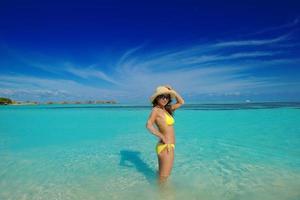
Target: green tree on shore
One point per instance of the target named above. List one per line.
(5, 101)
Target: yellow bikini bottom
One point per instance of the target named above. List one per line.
(162, 146)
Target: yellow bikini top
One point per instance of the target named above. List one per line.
(169, 119)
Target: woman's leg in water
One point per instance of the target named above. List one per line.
(165, 163)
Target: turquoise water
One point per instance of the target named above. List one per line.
(89, 152)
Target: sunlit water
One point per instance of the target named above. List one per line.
(89, 152)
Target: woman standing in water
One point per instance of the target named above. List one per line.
(162, 117)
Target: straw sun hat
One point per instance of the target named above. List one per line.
(162, 90)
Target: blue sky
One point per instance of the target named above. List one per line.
(217, 51)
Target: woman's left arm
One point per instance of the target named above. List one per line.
(179, 99)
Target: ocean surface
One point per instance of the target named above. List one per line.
(98, 152)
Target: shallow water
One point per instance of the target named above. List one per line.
(236, 151)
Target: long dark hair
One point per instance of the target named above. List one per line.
(167, 106)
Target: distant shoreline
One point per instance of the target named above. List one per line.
(191, 107)
(64, 103)
(15, 103)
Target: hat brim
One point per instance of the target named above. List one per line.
(172, 95)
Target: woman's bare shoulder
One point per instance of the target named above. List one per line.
(157, 111)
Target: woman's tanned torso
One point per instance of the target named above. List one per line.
(166, 130)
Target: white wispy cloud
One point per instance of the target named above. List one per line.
(89, 73)
(253, 42)
(23, 85)
(285, 26)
